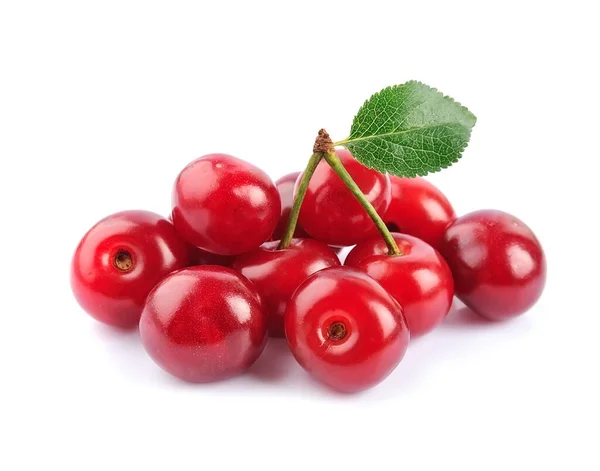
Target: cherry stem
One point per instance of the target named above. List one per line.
(284, 243)
(336, 164)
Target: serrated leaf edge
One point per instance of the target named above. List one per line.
(349, 141)
(392, 87)
(418, 174)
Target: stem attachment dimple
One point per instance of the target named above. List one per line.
(336, 164)
(284, 243)
(123, 261)
(337, 331)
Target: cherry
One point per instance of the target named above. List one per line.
(419, 279)
(285, 187)
(119, 261)
(418, 208)
(498, 264)
(331, 214)
(202, 257)
(224, 205)
(345, 329)
(204, 323)
(277, 273)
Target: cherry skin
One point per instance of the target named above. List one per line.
(498, 264)
(331, 214)
(120, 260)
(345, 329)
(419, 279)
(420, 209)
(285, 187)
(277, 273)
(204, 324)
(202, 257)
(225, 205)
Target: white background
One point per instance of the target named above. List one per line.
(101, 105)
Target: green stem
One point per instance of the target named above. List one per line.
(335, 163)
(284, 243)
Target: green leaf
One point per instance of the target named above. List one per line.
(409, 130)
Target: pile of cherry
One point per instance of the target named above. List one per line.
(209, 285)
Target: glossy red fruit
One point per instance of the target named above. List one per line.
(120, 260)
(204, 324)
(202, 257)
(418, 208)
(497, 262)
(331, 214)
(285, 187)
(345, 329)
(277, 273)
(225, 205)
(419, 279)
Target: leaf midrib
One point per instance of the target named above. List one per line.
(395, 133)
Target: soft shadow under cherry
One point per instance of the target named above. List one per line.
(464, 316)
(275, 363)
(125, 351)
(109, 333)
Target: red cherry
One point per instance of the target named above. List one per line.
(418, 208)
(204, 323)
(498, 264)
(277, 273)
(202, 257)
(345, 329)
(285, 187)
(224, 205)
(120, 260)
(330, 212)
(419, 280)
